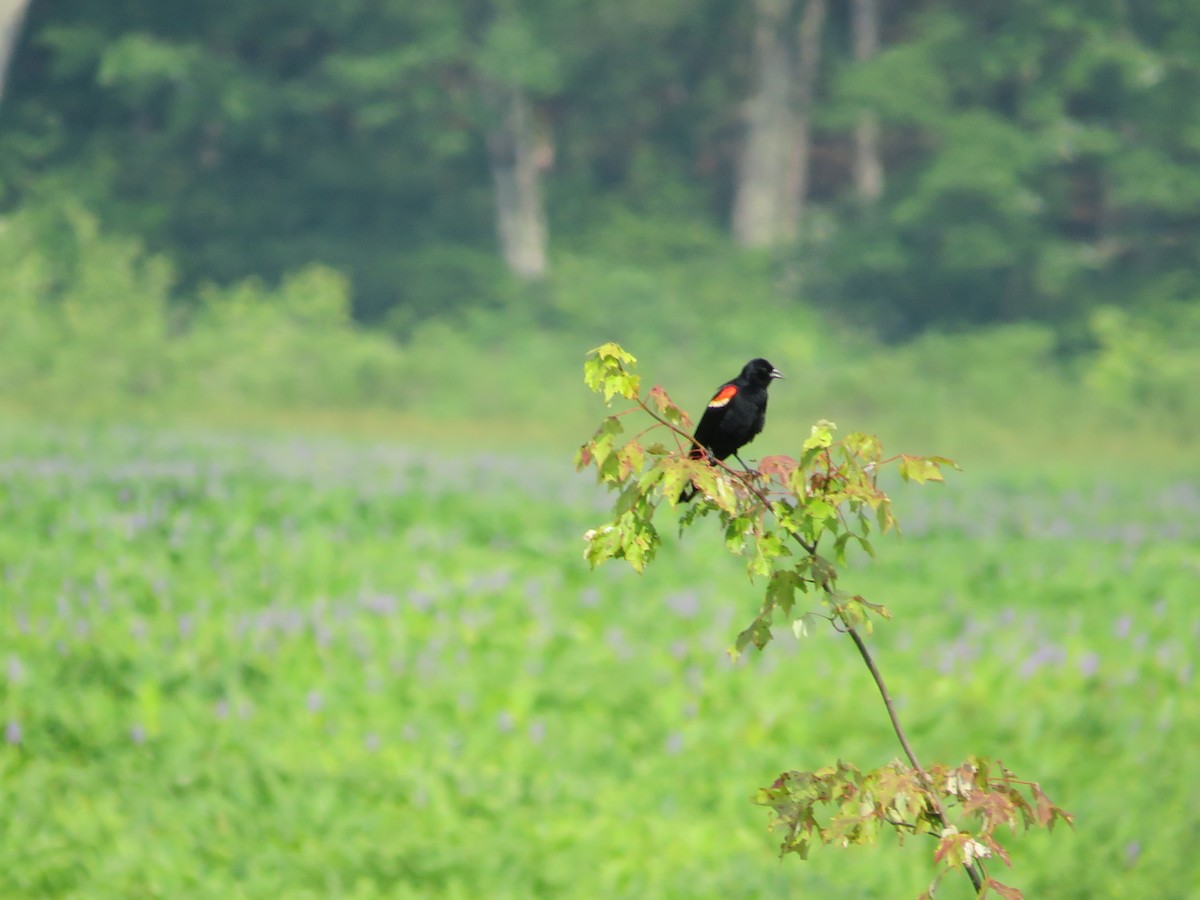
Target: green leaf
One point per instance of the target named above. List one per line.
(715, 484)
(609, 428)
(601, 448)
(885, 517)
(919, 469)
(610, 469)
(650, 477)
(625, 385)
(839, 547)
(757, 633)
(864, 446)
(676, 475)
(945, 461)
(602, 544)
(771, 546)
(735, 533)
(628, 498)
(604, 372)
(798, 481)
(803, 623)
(817, 443)
(823, 573)
(781, 590)
(613, 352)
(821, 437)
(633, 459)
(823, 516)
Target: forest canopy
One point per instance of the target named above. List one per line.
(963, 162)
(899, 169)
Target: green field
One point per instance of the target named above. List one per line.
(264, 666)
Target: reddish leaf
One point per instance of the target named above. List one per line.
(996, 848)
(780, 465)
(1045, 809)
(993, 808)
(1008, 893)
(658, 396)
(950, 849)
(668, 409)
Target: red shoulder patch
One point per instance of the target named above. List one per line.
(724, 395)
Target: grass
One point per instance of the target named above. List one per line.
(268, 666)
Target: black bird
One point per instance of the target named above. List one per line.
(734, 416)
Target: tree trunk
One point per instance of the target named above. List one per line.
(868, 161)
(770, 125)
(12, 15)
(516, 179)
(773, 169)
(808, 58)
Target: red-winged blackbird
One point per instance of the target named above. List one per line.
(734, 416)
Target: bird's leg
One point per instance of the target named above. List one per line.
(749, 470)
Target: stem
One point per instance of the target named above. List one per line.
(973, 871)
(718, 463)
(891, 710)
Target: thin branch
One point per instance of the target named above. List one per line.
(973, 870)
(744, 477)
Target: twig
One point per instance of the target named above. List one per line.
(972, 868)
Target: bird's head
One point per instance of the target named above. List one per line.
(760, 372)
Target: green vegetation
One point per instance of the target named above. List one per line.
(242, 657)
(289, 214)
(1037, 160)
(318, 668)
(94, 329)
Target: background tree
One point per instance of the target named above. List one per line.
(507, 58)
(1039, 158)
(868, 160)
(773, 167)
(1016, 126)
(12, 16)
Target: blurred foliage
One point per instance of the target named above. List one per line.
(254, 142)
(87, 325)
(1040, 158)
(1149, 361)
(308, 668)
(93, 325)
(1041, 162)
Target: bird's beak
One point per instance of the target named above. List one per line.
(775, 373)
